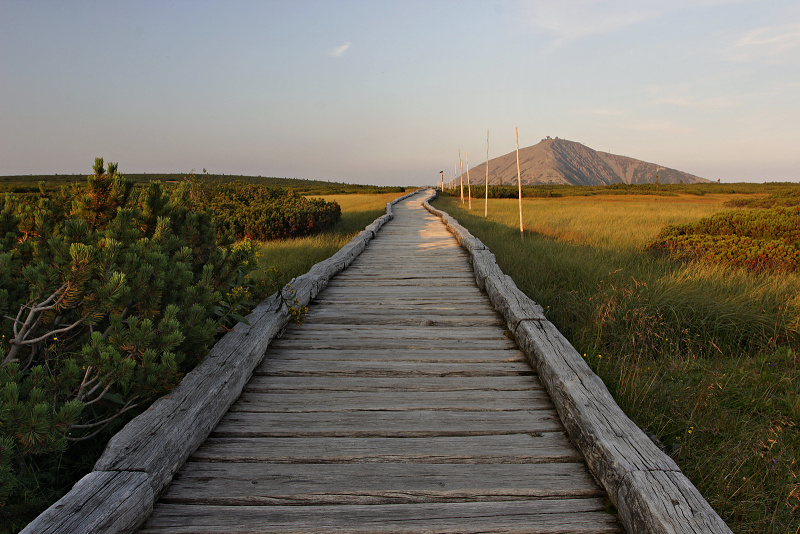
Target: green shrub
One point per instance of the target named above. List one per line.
(756, 239)
(263, 213)
(109, 294)
(785, 198)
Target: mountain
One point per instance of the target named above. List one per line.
(558, 161)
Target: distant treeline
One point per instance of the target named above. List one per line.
(30, 183)
(545, 191)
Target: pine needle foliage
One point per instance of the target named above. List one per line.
(108, 295)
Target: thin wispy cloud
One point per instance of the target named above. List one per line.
(601, 112)
(657, 126)
(771, 43)
(339, 50)
(572, 20)
(693, 102)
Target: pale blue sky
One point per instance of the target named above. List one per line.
(387, 92)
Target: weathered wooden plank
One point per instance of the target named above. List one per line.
(533, 399)
(360, 332)
(415, 274)
(401, 318)
(375, 344)
(266, 484)
(408, 309)
(536, 447)
(364, 368)
(419, 355)
(417, 423)
(406, 282)
(383, 385)
(659, 501)
(390, 293)
(85, 508)
(585, 515)
(411, 302)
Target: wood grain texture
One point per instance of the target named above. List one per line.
(561, 516)
(538, 447)
(86, 509)
(386, 423)
(384, 385)
(232, 483)
(306, 401)
(398, 355)
(385, 368)
(646, 485)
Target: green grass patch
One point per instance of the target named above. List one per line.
(703, 357)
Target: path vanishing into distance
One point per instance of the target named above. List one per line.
(399, 405)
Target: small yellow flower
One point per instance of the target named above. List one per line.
(691, 429)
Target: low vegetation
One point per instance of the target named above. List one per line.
(785, 197)
(759, 239)
(262, 213)
(704, 357)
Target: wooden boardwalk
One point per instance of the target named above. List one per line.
(398, 406)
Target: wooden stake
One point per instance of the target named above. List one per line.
(461, 174)
(461, 166)
(486, 203)
(469, 184)
(519, 183)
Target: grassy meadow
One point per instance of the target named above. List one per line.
(706, 359)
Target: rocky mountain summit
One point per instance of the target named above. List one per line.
(558, 161)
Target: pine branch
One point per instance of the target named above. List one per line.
(104, 423)
(105, 390)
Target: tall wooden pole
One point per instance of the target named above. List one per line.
(461, 175)
(519, 183)
(469, 184)
(442, 173)
(486, 203)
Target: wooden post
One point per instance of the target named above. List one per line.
(486, 203)
(461, 167)
(519, 183)
(469, 184)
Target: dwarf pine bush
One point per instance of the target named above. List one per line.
(108, 294)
